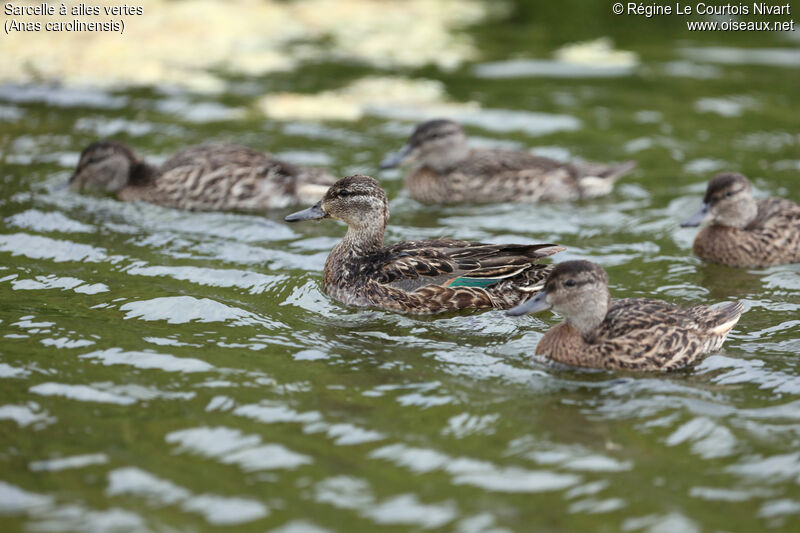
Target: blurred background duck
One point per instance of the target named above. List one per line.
(630, 333)
(745, 232)
(429, 276)
(204, 178)
(449, 171)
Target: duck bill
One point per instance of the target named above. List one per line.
(396, 159)
(698, 218)
(314, 212)
(534, 305)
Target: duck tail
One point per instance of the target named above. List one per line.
(725, 317)
(598, 180)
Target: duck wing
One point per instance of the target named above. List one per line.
(655, 335)
(452, 263)
(214, 156)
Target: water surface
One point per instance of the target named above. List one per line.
(165, 370)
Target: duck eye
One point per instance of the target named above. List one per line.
(344, 192)
(569, 283)
(729, 194)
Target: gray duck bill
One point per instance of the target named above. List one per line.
(314, 212)
(534, 305)
(396, 158)
(697, 218)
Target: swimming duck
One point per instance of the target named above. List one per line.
(204, 178)
(449, 171)
(745, 232)
(429, 276)
(631, 333)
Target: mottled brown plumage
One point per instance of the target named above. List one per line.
(430, 276)
(449, 171)
(204, 178)
(629, 334)
(745, 232)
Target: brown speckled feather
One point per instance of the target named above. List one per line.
(509, 176)
(413, 276)
(430, 276)
(640, 334)
(772, 238)
(225, 177)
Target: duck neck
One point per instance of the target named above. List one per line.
(358, 242)
(141, 173)
(589, 316)
(363, 239)
(741, 215)
(445, 160)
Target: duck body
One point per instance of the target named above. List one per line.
(745, 232)
(448, 171)
(772, 238)
(424, 277)
(641, 334)
(434, 276)
(627, 334)
(208, 177)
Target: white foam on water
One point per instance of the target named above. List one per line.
(726, 494)
(25, 415)
(68, 518)
(253, 282)
(709, 439)
(66, 342)
(8, 371)
(482, 474)
(666, 523)
(59, 251)
(465, 424)
(406, 509)
(14, 500)
(773, 57)
(594, 506)
(271, 413)
(230, 446)
(149, 360)
(37, 220)
(184, 309)
(771, 470)
(129, 481)
(349, 434)
(65, 463)
(82, 393)
(225, 511)
(217, 510)
(300, 526)
(530, 68)
(56, 282)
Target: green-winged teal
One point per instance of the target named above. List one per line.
(204, 178)
(745, 232)
(449, 171)
(631, 333)
(428, 276)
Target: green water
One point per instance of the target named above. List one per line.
(173, 371)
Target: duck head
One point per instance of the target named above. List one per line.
(104, 166)
(359, 201)
(576, 290)
(728, 202)
(439, 144)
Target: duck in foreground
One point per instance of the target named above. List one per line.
(430, 276)
(745, 232)
(204, 178)
(629, 334)
(449, 171)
